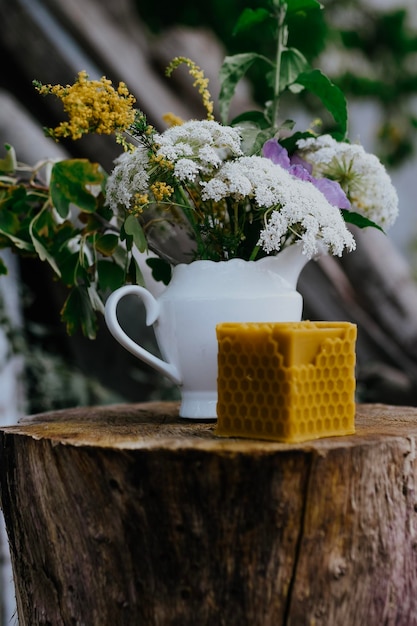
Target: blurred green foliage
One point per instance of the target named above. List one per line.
(373, 55)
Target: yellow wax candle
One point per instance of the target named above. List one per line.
(286, 381)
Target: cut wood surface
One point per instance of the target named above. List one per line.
(129, 515)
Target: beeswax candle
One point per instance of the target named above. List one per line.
(287, 381)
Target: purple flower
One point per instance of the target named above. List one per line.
(333, 192)
(297, 160)
(299, 171)
(276, 153)
(299, 168)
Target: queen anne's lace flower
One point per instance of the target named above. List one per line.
(298, 207)
(305, 211)
(207, 143)
(254, 177)
(331, 189)
(186, 169)
(361, 175)
(204, 159)
(128, 178)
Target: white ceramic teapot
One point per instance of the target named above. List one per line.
(199, 296)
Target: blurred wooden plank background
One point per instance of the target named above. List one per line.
(51, 40)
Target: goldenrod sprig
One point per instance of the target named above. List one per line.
(93, 106)
(200, 81)
(171, 119)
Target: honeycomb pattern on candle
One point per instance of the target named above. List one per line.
(287, 382)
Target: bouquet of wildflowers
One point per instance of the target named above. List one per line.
(244, 188)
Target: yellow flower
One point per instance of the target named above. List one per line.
(200, 81)
(161, 191)
(140, 199)
(161, 161)
(93, 106)
(172, 120)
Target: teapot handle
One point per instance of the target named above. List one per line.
(152, 313)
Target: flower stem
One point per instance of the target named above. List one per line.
(189, 213)
(254, 253)
(282, 37)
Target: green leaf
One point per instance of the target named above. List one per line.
(135, 230)
(135, 273)
(69, 180)
(19, 243)
(161, 270)
(331, 96)
(231, 72)
(250, 17)
(63, 236)
(68, 265)
(290, 142)
(121, 256)
(253, 139)
(44, 255)
(9, 226)
(287, 125)
(35, 227)
(9, 163)
(110, 275)
(78, 312)
(77, 268)
(106, 244)
(293, 6)
(359, 220)
(3, 268)
(96, 301)
(257, 118)
(293, 63)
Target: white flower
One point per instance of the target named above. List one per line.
(298, 205)
(207, 157)
(129, 177)
(215, 189)
(256, 178)
(206, 142)
(186, 169)
(305, 211)
(361, 175)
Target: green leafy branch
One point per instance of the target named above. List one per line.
(289, 71)
(66, 224)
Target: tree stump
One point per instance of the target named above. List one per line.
(129, 515)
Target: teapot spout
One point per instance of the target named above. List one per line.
(288, 263)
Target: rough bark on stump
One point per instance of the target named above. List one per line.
(128, 515)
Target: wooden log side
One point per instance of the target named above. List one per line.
(129, 515)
